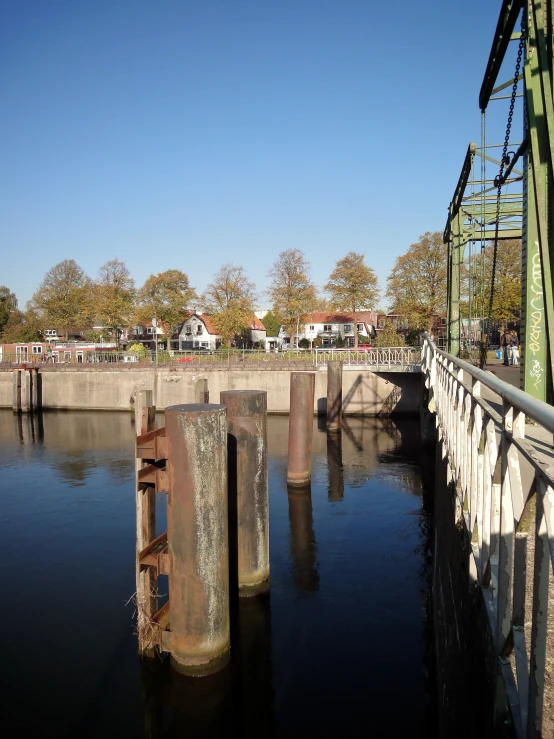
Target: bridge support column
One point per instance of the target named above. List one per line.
(248, 487)
(334, 395)
(22, 390)
(197, 533)
(302, 388)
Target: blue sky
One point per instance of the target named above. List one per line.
(188, 134)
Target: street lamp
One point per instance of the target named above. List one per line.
(297, 340)
(155, 326)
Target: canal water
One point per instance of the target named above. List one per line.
(342, 644)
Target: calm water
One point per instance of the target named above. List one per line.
(342, 644)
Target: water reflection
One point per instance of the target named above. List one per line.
(237, 701)
(334, 463)
(303, 547)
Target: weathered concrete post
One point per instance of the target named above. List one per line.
(302, 388)
(334, 395)
(248, 486)
(36, 400)
(202, 394)
(21, 389)
(16, 390)
(197, 534)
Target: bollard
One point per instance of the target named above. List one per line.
(302, 387)
(248, 486)
(334, 464)
(197, 537)
(334, 395)
(303, 545)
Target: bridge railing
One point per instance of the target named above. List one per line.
(395, 356)
(505, 496)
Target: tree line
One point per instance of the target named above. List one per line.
(416, 289)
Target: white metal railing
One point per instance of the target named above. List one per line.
(503, 484)
(407, 357)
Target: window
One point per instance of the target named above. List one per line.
(327, 327)
(188, 330)
(50, 332)
(67, 356)
(199, 329)
(151, 330)
(311, 328)
(80, 357)
(196, 344)
(347, 328)
(204, 344)
(21, 351)
(37, 350)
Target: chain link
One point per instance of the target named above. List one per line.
(504, 162)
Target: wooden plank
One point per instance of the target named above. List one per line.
(146, 579)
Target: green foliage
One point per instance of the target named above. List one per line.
(304, 344)
(64, 298)
(417, 284)
(352, 285)
(8, 304)
(291, 291)
(166, 297)
(114, 296)
(229, 299)
(271, 324)
(22, 327)
(389, 336)
(137, 349)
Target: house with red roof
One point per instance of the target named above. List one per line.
(199, 332)
(332, 328)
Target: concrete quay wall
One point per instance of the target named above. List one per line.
(105, 387)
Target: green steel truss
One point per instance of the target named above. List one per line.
(472, 212)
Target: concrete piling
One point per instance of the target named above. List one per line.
(302, 388)
(248, 488)
(22, 394)
(197, 533)
(334, 395)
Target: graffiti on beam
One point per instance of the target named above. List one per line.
(536, 318)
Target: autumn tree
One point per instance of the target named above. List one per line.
(271, 324)
(165, 297)
(22, 326)
(8, 304)
(416, 286)
(389, 336)
(230, 299)
(64, 298)
(114, 296)
(292, 292)
(476, 279)
(352, 286)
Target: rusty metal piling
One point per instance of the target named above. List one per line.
(248, 487)
(302, 388)
(197, 533)
(334, 395)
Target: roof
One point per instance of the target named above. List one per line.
(324, 317)
(254, 323)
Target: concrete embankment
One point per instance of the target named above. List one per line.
(104, 387)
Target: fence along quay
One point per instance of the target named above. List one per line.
(498, 469)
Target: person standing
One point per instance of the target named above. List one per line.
(514, 350)
(505, 343)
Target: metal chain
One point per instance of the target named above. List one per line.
(504, 162)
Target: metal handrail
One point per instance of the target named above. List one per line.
(535, 409)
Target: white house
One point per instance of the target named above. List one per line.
(198, 332)
(330, 327)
